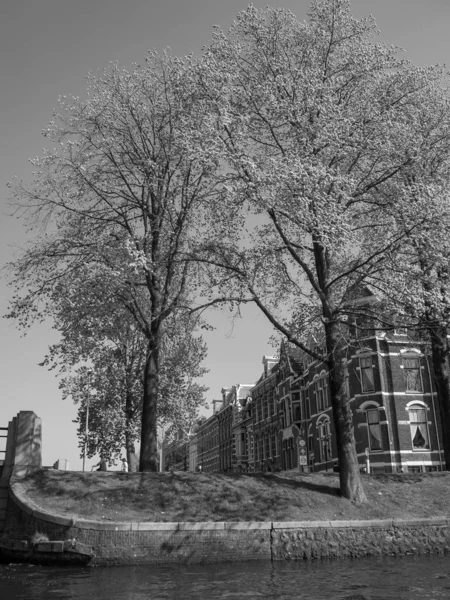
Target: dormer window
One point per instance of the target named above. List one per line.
(400, 331)
(411, 371)
(367, 379)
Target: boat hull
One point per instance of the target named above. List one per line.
(51, 553)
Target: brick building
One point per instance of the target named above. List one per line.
(266, 418)
(226, 441)
(395, 414)
(285, 420)
(208, 445)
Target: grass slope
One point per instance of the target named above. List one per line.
(172, 497)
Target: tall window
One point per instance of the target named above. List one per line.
(320, 398)
(326, 392)
(305, 395)
(324, 441)
(367, 381)
(288, 412)
(322, 393)
(374, 429)
(310, 440)
(419, 427)
(411, 373)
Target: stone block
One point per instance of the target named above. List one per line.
(299, 524)
(353, 524)
(150, 526)
(248, 525)
(205, 526)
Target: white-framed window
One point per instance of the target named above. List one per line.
(322, 392)
(400, 331)
(305, 394)
(310, 439)
(374, 429)
(273, 449)
(318, 390)
(418, 425)
(326, 392)
(324, 435)
(367, 378)
(411, 373)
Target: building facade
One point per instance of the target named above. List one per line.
(266, 419)
(285, 421)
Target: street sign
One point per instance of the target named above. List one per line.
(301, 442)
(303, 461)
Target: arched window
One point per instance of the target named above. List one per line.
(418, 424)
(324, 435)
(321, 391)
(373, 426)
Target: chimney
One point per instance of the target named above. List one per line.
(225, 391)
(268, 362)
(217, 405)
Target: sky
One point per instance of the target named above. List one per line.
(46, 49)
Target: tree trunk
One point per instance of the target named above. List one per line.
(441, 368)
(349, 474)
(132, 459)
(149, 445)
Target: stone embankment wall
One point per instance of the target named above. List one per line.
(151, 543)
(355, 539)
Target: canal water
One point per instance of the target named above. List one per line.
(405, 578)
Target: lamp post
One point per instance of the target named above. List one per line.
(86, 427)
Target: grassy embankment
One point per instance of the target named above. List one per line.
(180, 496)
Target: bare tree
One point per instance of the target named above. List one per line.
(123, 195)
(318, 126)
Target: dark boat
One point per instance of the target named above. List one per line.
(69, 552)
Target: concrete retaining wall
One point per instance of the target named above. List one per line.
(152, 543)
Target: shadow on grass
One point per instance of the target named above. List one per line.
(277, 480)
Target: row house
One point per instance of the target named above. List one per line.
(225, 421)
(234, 416)
(291, 418)
(242, 428)
(285, 420)
(396, 419)
(266, 419)
(208, 445)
